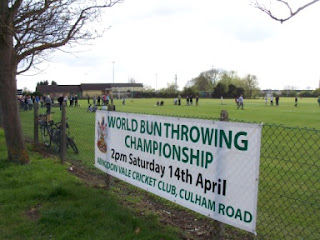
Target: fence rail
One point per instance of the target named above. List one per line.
(289, 186)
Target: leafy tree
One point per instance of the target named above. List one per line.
(187, 91)
(305, 94)
(316, 93)
(202, 83)
(54, 83)
(29, 29)
(232, 91)
(219, 90)
(213, 75)
(279, 5)
(250, 85)
(42, 83)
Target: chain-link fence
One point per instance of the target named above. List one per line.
(289, 186)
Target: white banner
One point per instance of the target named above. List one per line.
(211, 167)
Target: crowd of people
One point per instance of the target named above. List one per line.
(27, 101)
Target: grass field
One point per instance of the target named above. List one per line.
(289, 190)
(42, 200)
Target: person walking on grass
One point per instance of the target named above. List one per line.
(48, 104)
(240, 102)
(296, 102)
(60, 100)
(266, 99)
(277, 100)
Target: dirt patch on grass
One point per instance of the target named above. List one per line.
(33, 213)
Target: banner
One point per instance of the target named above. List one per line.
(211, 167)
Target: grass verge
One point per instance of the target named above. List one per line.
(43, 201)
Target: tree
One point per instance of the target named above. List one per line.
(29, 29)
(232, 91)
(250, 85)
(53, 83)
(131, 80)
(219, 90)
(281, 3)
(202, 83)
(316, 92)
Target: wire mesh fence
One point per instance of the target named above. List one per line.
(289, 186)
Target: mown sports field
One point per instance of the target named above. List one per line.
(289, 187)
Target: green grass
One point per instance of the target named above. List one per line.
(42, 200)
(289, 189)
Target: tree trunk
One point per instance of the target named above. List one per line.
(1, 125)
(8, 97)
(11, 119)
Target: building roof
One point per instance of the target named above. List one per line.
(125, 85)
(83, 87)
(94, 86)
(58, 88)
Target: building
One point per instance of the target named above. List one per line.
(118, 90)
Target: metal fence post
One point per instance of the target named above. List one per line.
(35, 124)
(63, 145)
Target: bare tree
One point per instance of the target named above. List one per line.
(291, 12)
(29, 29)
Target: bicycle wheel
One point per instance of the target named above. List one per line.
(72, 144)
(56, 139)
(45, 135)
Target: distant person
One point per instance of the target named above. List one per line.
(94, 100)
(42, 98)
(319, 101)
(48, 104)
(179, 99)
(296, 102)
(190, 99)
(197, 100)
(71, 101)
(277, 100)
(26, 103)
(76, 100)
(30, 102)
(187, 100)
(221, 99)
(240, 102)
(99, 99)
(37, 100)
(60, 100)
(123, 101)
(88, 100)
(175, 101)
(266, 100)
(271, 100)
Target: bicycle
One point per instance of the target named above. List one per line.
(56, 137)
(51, 133)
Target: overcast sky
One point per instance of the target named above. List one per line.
(153, 40)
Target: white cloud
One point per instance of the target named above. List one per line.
(184, 37)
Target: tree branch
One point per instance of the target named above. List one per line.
(292, 13)
(53, 24)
